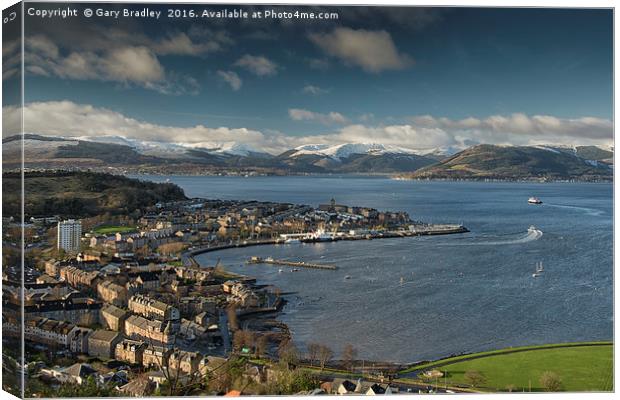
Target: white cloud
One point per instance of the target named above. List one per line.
(132, 60)
(373, 51)
(231, 78)
(297, 114)
(313, 90)
(65, 118)
(181, 44)
(523, 129)
(258, 65)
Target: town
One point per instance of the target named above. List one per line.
(120, 304)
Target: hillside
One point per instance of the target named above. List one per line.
(515, 163)
(82, 194)
(123, 154)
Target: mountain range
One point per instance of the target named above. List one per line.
(477, 162)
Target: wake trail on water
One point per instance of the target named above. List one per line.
(588, 211)
(530, 236)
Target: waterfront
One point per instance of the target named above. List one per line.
(459, 293)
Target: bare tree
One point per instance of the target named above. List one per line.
(325, 355)
(474, 378)
(261, 345)
(550, 381)
(313, 352)
(348, 355)
(288, 353)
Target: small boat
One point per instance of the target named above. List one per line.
(534, 200)
(280, 270)
(292, 241)
(295, 270)
(402, 280)
(347, 277)
(539, 270)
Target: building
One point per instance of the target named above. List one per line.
(78, 342)
(112, 293)
(131, 351)
(69, 235)
(152, 308)
(113, 317)
(184, 361)
(151, 331)
(155, 356)
(48, 331)
(78, 278)
(102, 343)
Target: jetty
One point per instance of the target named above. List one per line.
(298, 264)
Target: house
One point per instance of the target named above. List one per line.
(114, 378)
(113, 317)
(78, 341)
(378, 389)
(155, 356)
(159, 332)
(144, 282)
(102, 343)
(142, 386)
(48, 331)
(343, 386)
(184, 361)
(112, 293)
(76, 373)
(131, 351)
(151, 308)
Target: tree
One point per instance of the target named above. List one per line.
(348, 355)
(510, 387)
(474, 378)
(313, 352)
(231, 313)
(325, 355)
(288, 353)
(261, 345)
(550, 381)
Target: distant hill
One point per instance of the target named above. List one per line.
(517, 163)
(82, 194)
(121, 155)
(112, 151)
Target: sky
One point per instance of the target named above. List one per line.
(420, 78)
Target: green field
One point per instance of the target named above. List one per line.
(581, 367)
(111, 229)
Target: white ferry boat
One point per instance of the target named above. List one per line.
(534, 200)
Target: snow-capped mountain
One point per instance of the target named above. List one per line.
(175, 150)
(117, 151)
(345, 150)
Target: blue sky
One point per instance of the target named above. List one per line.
(463, 75)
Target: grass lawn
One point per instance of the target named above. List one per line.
(581, 368)
(111, 229)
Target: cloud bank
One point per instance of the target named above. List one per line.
(424, 133)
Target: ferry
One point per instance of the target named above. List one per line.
(534, 200)
(321, 236)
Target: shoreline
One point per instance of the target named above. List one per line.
(448, 230)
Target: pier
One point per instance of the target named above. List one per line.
(300, 264)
